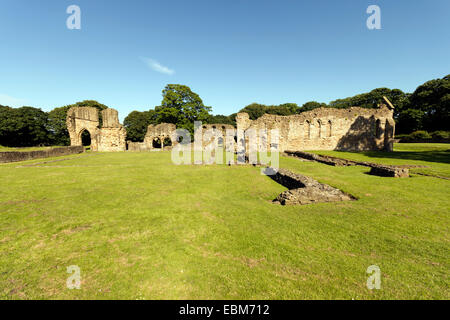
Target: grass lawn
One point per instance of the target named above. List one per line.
(140, 227)
(436, 156)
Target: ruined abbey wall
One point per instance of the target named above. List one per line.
(352, 129)
(110, 137)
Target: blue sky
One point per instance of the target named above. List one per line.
(230, 52)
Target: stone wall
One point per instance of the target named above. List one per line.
(218, 134)
(14, 156)
(352, 129)
(110, 137)
(136, 146)
(157, 134)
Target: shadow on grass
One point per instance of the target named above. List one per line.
(442, 156)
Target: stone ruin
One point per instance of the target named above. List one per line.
(167, 132)
(155, 138)
(110, 137)
(350, 129)
(304, 190)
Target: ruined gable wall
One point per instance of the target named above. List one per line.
(111, 137)
(354, 129)
(80, 119)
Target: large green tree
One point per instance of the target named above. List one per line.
(433, 99)
(181, 106)
(137, 122)
(23, 127)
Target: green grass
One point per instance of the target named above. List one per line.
(436, 156)
(140, 227)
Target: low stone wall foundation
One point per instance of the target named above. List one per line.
(305, 190)
(14, 156)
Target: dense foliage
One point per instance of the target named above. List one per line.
(182, 107)
(23, 127)
(137, 122)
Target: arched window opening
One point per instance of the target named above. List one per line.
(157, 143)
(319, 123)
(378, 128)
(330, 128)
(167, 142)
(308, 129)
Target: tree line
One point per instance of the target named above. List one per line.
(427, 108)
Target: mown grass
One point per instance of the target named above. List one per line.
(436, 156)
(140, 227)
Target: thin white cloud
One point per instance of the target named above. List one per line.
(9, 101)
(156, 66)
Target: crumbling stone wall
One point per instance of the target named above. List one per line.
(111, 137)
(219, 134)
(159, 132)
(112, 134)
(352, 129)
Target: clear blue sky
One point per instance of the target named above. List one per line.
(230, 52)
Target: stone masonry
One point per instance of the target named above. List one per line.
(110, 137)
(351, 129)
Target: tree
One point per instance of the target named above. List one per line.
(254, 110)
(23, 127)
(220, 119)
(410, 120)
(58, 127)
(311, 105)
(433, 98)
(182, 107)
(137, 122)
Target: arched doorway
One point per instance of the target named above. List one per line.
(85, 138)
(157, 143)
(167, 142)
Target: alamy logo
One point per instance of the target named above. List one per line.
(252, 146)
(374, 280)
(74, 281)
(374, 20)
(74, 20)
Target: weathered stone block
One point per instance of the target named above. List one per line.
(389, 171)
